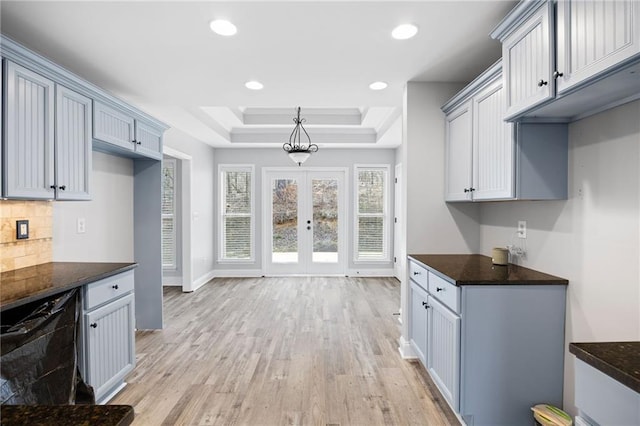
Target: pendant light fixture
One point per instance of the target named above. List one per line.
(298, 152)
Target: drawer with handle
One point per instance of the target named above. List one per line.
(100, 292)
(445, 292)
(419, 274)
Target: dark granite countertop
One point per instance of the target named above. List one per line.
(27, 285)
(476, 269)
(618, 360)
(67, 415)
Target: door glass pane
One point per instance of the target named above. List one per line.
(285, 221)
(325, 220)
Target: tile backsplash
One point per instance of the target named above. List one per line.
(37, 249)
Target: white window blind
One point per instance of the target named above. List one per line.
(237, 213)
(371, 213)
(168, 214)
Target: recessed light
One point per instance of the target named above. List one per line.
(404, 31)
(378, 85)
(253, 85)
(223, 27)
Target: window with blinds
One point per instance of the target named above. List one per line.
(169, 249)
(371, 213)
(237, 212)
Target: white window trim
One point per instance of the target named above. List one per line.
(174, 265)
(222, 168)
(386, 258)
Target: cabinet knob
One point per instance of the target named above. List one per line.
(137, 142)
(557, 74)
(425, 305)
(471, 189)
(115, 287)
(53, 187)
(439, 289)
(308, 227)
(94, 325)
(63, 187)
(416, 273)
(466, 190)
(542, 83)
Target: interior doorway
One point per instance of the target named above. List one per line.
(305, 221)
(178, 273)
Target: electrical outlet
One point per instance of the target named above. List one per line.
(81, 225)
(522, 229)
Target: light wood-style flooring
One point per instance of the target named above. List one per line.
(280, 351)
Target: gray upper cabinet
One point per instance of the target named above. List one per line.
(458, 129)
(73, 145)
(528, 62)
(148, 140)
(29, 137)
(117, 132)
(113, 126)
(593, 36)
(488, 159)
(571, 58)
(47, 142)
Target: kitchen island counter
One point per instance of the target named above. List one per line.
(618, 360)
(63, 415)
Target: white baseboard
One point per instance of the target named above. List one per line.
(370, 272)
(405, 349)
(203, 280)
(238, 273)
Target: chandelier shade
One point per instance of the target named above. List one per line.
(299, 152)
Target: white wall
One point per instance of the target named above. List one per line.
(276, 157)
(593, 238)
(432, 226)
(108, 216)
(203, 177)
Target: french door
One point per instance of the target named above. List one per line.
(304, 222)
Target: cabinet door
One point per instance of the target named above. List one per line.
(112, 126)
(418, 321)
(110, 345)
(73, 145)
(148, 140)
(493, 146)
(528, 61)
(594, 36)
(459, 131)
(28, 145)
(443, 362)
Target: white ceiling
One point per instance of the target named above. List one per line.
(320, 55)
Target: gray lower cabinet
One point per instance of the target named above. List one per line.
(418, 322)
(602, 400)
(493, 351)
(117, 132)
(108, 339)
(47, 144)
(443, 361)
